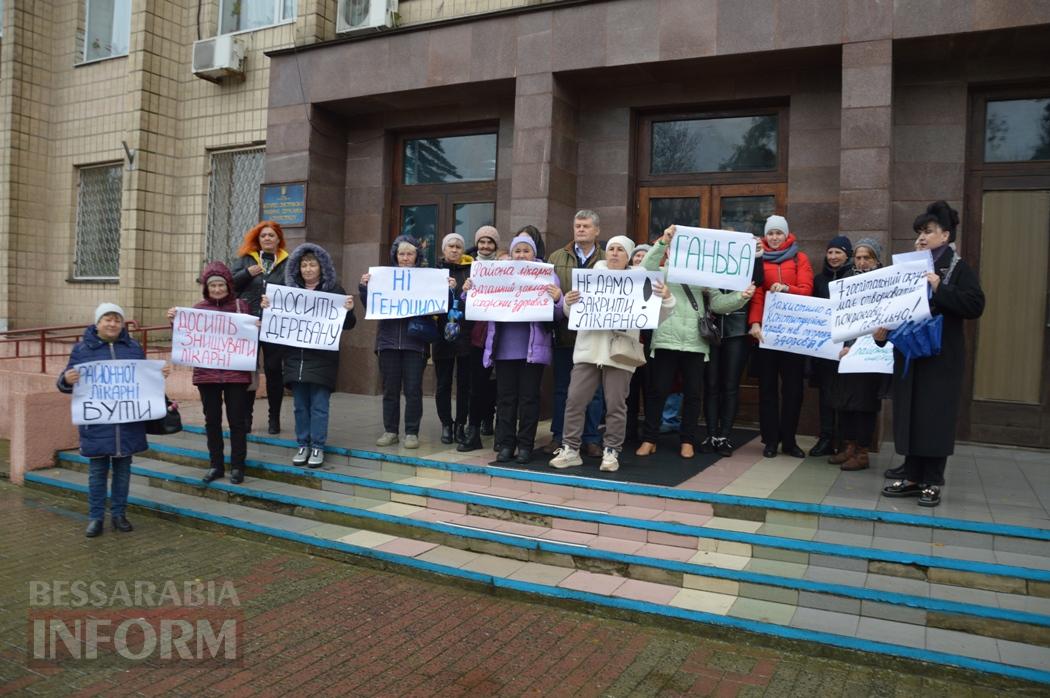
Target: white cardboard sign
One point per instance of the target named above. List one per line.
(214, 339)
(714, 258)
(615, 300)
(886, 297)
(118, 392)
(510, 291)
(399, 292)
(298, 317)
(865, 356)
(799, 325)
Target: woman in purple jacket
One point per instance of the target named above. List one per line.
(520, 351)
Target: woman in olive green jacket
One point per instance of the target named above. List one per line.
(678, 347)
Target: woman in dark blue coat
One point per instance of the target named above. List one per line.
(107, 445)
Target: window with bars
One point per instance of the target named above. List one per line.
(97, 254)
(233, 200)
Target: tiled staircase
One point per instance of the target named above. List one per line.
(961, 593)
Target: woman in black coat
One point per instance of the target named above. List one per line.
(452, 357)
(261, 260)
(926, 391)
(838, 263)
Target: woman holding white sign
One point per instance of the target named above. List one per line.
(786, 269)
(857, 397)
(606, 359)
(262, 257)
(678, 346)
(451, 353)
(217, 386)
(520, 351)
(402, 357)
(311, 373)
(107, 446)
(927, 388)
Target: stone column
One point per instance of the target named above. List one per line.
(867, 134)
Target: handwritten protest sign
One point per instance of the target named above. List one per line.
(865, 356)
(715, 258)
(397, 292)
(212, 339)
(511, 291)
(301, 318)
(886, 297)
(118, 392)
(799, 325)
(615, 300)
(924, 256)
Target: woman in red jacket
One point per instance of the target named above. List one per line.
(786, 270)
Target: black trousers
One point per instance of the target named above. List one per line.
(824, 372)
(929, 470)
(445, 368)
(482, 389)
(663, 367)
(517, 403)
(725, 369)
(641, 386)
(235, 395)
(402, 370)
(273, 369)
(858, 426)
(779, 396)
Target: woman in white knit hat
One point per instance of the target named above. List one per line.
(595, 365)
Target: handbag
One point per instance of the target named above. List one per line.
(706, 323)
(623, 349)
(452, 327)
(170, 423)
(423, 328)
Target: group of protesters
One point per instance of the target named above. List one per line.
(496, 369)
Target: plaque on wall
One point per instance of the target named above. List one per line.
(284, 203)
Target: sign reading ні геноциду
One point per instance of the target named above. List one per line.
(119, 391)
(713, 258)
(298, 317)
(799, 325)
(510, 291)
(887, 297)
(615, 300)
(398, 292)
(214, 339)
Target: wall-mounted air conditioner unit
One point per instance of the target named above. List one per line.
(358, 15)
(219, 57)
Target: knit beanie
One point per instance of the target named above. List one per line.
(873, 245)
(641, 248)
(841, 242)
(624, 241)
(487, 231)
(776, 223)
(106, 308)
(449, 238)
(215, 277)
(523, 238)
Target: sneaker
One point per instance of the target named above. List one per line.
(316, 458)
(411, 441)
(708, 445)
(610, 461)
(723, 447)
(566, 457)
(301, 456)
(387, 439)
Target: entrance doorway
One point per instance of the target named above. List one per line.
(1006, 235)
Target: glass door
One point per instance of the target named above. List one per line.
(659, 207)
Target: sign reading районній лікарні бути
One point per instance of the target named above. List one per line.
(214, 339)
(119, 391)
(713, 258)
(510, 291)
(615, 300)
(399, 292)
(298, 317)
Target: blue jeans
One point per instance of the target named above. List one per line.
(562, 375)
(311, 414)
(118, 500)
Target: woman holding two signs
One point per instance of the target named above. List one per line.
(597, 362)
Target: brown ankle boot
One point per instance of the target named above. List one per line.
(858, 461)
(844, 455)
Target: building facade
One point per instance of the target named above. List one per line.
(847, 116)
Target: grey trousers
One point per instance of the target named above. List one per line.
(586, 378)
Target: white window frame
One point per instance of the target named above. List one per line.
(278, 11)
(87, 39)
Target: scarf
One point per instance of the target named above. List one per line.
(781, 255)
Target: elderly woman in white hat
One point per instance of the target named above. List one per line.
(598, 364)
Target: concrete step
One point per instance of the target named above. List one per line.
(903, 640)
(625, 551)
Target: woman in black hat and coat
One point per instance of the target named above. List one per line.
(926, 391)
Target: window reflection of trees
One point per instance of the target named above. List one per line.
(714, 145)
(1013, 132)
(427, 163)
(758, 148)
